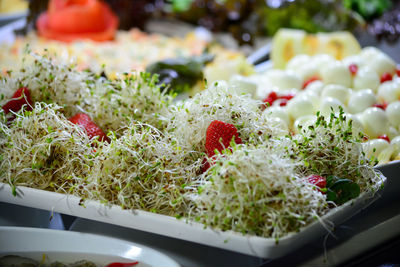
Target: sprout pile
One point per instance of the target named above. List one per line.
(155, 158)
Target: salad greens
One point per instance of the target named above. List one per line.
(180, 74)
(368, 9)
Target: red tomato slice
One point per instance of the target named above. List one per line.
(74, 18)
(68, 21)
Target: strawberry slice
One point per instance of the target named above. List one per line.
(386, 77)
(382, 106)
(310, 80)
(91, 128)
(384, 137)
(273, 96)
(353, 68)
(317, 180)
(270, 99)
(122, 264)
(219, 135)
(20, 98)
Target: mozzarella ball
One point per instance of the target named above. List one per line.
(308, 71)
(298, 62)
(310, 95)
(329, 105)
(243, 85)
(374, 147)
(366, 78)
(336, 73)
(276, 122)
(315, 87)
(361, 100)
(298, 107)
(339, 92)
(395, 142)
(278, 112)
(354, 59)
(393, 132)
(284, 80)
(323, 60)
(302, 123)
(389, 92)
(393, 113)
(375, 122)
(382, 64)
(356, 125)
(370, 52)
(263, 85)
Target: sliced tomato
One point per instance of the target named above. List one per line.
(77, 19)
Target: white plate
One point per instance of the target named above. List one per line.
(70, 247)
(172, 227)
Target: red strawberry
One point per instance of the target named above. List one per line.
(91, 128)
(353, 68)
(381, 106)
(386, 77)
(318, 181)
(21, 97)
(310, 80)
(219, 135)
(270, 99)
(384, 137)
(398, 70)
(283, 102)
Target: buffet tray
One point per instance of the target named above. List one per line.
(181, 228)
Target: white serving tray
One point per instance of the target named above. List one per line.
(69, 247)
(181, 229)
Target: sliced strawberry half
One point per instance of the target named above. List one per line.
(317, 180)
(20, 98)
(219, 135)
(91, 128)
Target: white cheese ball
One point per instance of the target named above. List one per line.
(284, 80)
(366, 78)
(395, 142)
(315, 87)
(298, 62)
(243, 85)
(307, 71)
(375, 122)
(356, 125)
(278, 112)
(323, 60)
(370, 52)
(263, 85)
(337, 91)
(374, 147)
(336, 73)
(393, 132)
(361, 100)
(310, 95)
(393, 113)
(299, 106)
(329, 105)
(302, 123)
(382, 64)
(276, 122)
(389, 92)
(354, 59)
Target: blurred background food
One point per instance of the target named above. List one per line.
(12, 6)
